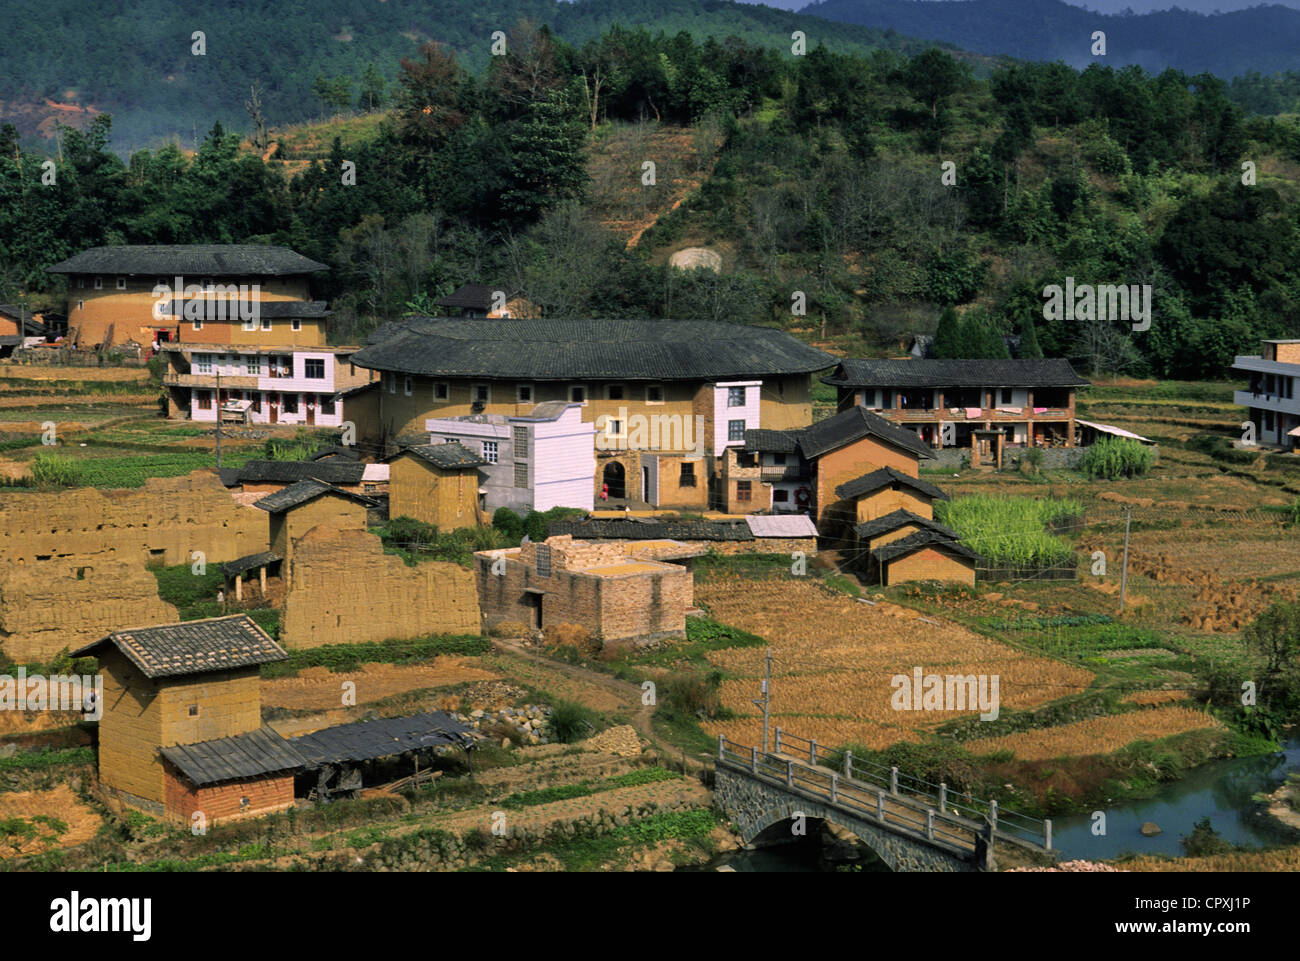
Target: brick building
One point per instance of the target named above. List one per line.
(176, 698)
(607, 588)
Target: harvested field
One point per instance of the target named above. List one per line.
(1150, 698)
(318, 688)
(29, 722)
(1100, 735)
(835, 657)
(60, 803)
(557, 683)
(1282, 859)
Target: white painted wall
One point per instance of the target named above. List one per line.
(722, 414)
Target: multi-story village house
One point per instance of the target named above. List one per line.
(1271, 393)
(666, 399)
(237, 324)
(983, 405)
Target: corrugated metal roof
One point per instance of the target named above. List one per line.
(781, 525)
(1115, 431)
(193, 647)
(234, 758)
(572, 350)
(383, 737)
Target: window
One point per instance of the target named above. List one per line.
(744, 490)
(314, 368)
(290, 405)
(735, 430)
(121, 283)
(578, 394)
(481, 394)
(197, 323)
(81, 282)
(254, 365)
(687, 476)
(392, 383)
(735, 397)
(327, 406)
(521, 475)
(249, 322)
(654, 394)
(780, 496)
(266, 323)
(256, 397)
(193, 710)
(1268, 420)
(778, 460)
(406, 386)
(99, 283)
(613, 391)
(441, 391)
(295, 324)
(524, 393)
(1006, 395)
(203, 399)
(490, 453)
(521, 442)
(203, 362)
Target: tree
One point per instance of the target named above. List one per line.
(948, 342)
(931, 77)
(1274, 636)
(1029, 339)
(547, 163)
(428, 99)
(336, 93)
(373, 87)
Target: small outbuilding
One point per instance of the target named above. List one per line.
(437, 484)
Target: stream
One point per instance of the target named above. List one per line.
(1220, 790)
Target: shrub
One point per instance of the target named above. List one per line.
(571, 722)
(574, 635)
(508, 523)
(693, 694)
(1114, 457)
(1204, 841)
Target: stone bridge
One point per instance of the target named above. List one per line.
(909, 830)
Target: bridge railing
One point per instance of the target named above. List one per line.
(1005, 822)
(866, 800)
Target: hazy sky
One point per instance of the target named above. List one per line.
(1110, 6)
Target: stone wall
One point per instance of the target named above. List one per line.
(69, 602)
(754, 806)
(166, 520)
(344, 589)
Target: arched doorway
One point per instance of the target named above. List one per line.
(615, 480)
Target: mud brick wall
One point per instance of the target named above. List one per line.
(166, 520)
(69, 602)
(931, 565)
(130, 730)
(343, 589)
(224, 802)
(229, 703)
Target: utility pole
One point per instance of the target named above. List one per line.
(1123, 573)
(218, 406)
(765, 702)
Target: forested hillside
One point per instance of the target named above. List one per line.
(821, 182)
(308, 56)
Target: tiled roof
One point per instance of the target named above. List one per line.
(301, 492)
(586, 350)
(899, 518)
(885, 477)
(853, 424)
(215, 260)
(249, 562)
(470, 296)
(1027, 372)
(288, 471)
(193, 647)
(383, 737)
(834, 432)
(447, 456)
(32, 326)
(234, 758)
(915, 542)
(647, 530)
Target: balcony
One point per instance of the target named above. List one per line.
(232, 381)
(778, 475)
(1265, 401)
(915, 415)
